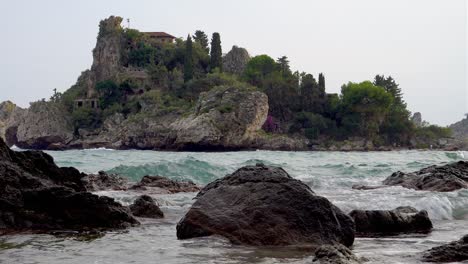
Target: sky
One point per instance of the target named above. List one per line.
(421, 43)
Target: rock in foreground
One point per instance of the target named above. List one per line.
(451, 252)
(262, 205)
(35, 194)
(400, 220)
(445, 178)
(144, 206)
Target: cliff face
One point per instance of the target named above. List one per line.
(10, 116)
(225, 117)
(106, 54)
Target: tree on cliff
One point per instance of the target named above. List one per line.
(201, 38)
(397, 127)
(283, 63)
(216, 54)
(188, 60)
(364, 107)
(258, 68)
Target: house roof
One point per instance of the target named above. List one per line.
(159, 35)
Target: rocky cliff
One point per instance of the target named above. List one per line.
(226, 117)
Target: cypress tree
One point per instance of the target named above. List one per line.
(216, 60)
(321, 84)
(188, 60)
(201, 38)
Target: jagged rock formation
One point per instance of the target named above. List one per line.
(400, 220)
(235, 60)
(10, 115)
(35, 194)
(460, 129)
(144, 206)
(445, 178)
(262, 205)
(42, 126)
(452, 252)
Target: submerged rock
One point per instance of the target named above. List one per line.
(149, 182)
(445, 178)
(335, 254)
(35, 194)
(103, 181)
(451, 252)
(262, 205)
(400, 220)
(144, 206)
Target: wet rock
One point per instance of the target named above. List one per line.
(148, 182)
(445, 178)
(263, 205)
(103, 181)
(35, 194)
(144, 206)
(335, 254)
(383, 222)
(451, 252)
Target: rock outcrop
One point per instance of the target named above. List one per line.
(159, 182)
(452, 252)
(261, 205)
(235, 60)
(444, 178)
(43, 125)
(10, 115)
(35, 194)
(144, 206)
(389, 222)
(335, 254)
(226, 117)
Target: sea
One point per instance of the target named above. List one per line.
(329, 174)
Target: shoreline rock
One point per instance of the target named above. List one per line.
(404, 219)
(35, 194)
(263, 205)
(452, 252)
(444, 178)
(144, 206)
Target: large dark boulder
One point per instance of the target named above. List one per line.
(400, 220)
(451, 252)
(144, 206)
(35, 194)
(445, 178)
(262, 205)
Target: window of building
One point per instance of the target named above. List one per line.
(92, 104)
(80, 103)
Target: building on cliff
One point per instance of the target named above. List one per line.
(161, 37)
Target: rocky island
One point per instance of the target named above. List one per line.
(150, 90)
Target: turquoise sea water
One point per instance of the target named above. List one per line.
(330, 174)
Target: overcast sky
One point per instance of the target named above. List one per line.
(421, 43)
